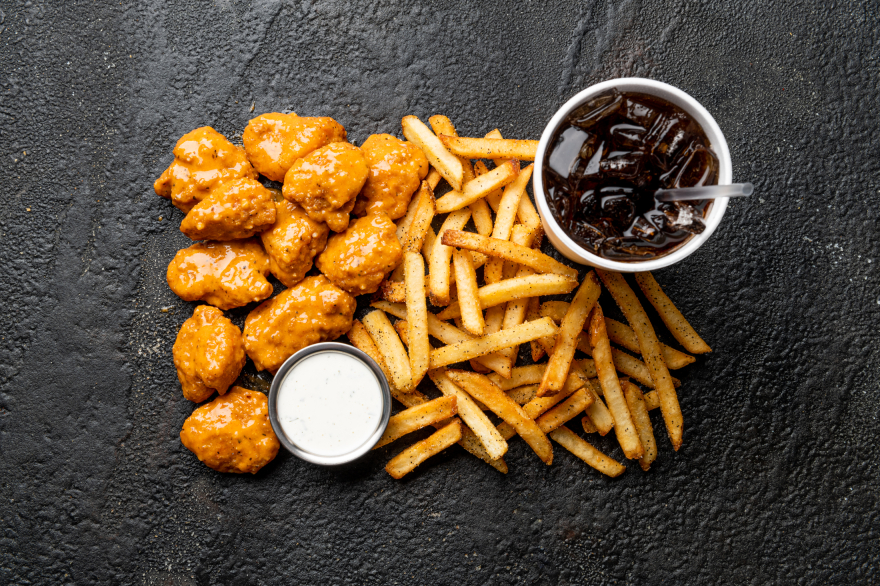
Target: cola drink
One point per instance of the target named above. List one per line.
(608, 158)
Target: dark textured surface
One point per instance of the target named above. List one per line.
(777, 480)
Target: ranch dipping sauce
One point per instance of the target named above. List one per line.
(329, 404)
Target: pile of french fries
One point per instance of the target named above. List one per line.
(493, 320)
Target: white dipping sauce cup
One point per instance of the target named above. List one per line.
(564, 243)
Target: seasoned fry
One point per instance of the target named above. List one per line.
(433, 178)
(468, 297)
(598, 412)
(583, 450)
(507, 209)
(533, 313)
(466, 350)
(532, 375)
(587, 423)
(471, 414)
(402, 329)
(470, 442)
(678, 326)
(522, 395)
(516, 288)
(621, 334)
(636, 402)
(428, 244)
(417, 312)
(538, 406)
(391, 348)
(527, 213)
(515, 311)
(626, 364)
(493, 198)
(442, 125)
(566, 341)
(360, 338)
(391, 291)
(416, 418)
(623, 423)
(537, 261)
(635, 314)
(565, 411)
(441, 255)
(482, 216)
(406, 221)
(503, 406)
(407, 461)
(444, 332)
(478, 187)
(584, 367)
(441, 159)
(491, 148)
(421, 221)
(652, 400)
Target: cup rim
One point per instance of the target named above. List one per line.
(574, 251)
(295, 359)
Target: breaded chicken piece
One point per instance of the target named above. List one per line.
(208, 353)
(203, 159)
(274, 141)
(232, 433)
(397, 168)
(235, 209)
(360, 258)
(224, 274)
(313, 311)
(326, 182)
(292, 242)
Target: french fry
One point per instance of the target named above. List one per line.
(433, 178)
(522, 395)
(652, 400)
(584, 367)
(503, 406)
(466, 350)
(515, 310)
(416, 418)
(471, 414)
(678, 326)
(421, 222)
(428, 244)
(650, 347)
(468, 299)
(636, 402)
(507, 209)
(406, 221)
(583, 450)
(513, 289)
(565, 411)
(532, 375)
(441, 159)
(624, 427)
(587, 423)
(446, 333)
(620, 333)
(470, 442)
(482, 216)
(442, 125)
(566, 341)
(533, 313)
(360, 338)
(538, 406)
(402, 329)
(478, 187)
(392, 291)
(598, 412)
(523, 255)
(441, 255)
(527, 213)
(407, 461)
(417, 312)
(493, 198)
(491, 148)
(391, 348)
(626, 364)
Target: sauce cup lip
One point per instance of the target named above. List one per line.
(293, 361)
(575, 252)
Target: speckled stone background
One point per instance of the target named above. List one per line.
(777, 482)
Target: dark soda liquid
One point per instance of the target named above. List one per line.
(608, 158)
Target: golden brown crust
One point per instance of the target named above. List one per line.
(396, 170)
(224, 274)
(313, 311)
(208, 354)
(292, 242)
(358, 259)
(274, 141)
(232, 433)
(203, 159)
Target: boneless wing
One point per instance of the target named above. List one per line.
(397, 168)
(292, 242)
(208, 354)
(224, 274)
(203, 159)
(235, 209)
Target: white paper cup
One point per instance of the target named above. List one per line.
(564, 243)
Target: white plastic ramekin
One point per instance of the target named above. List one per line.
(579, 254)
